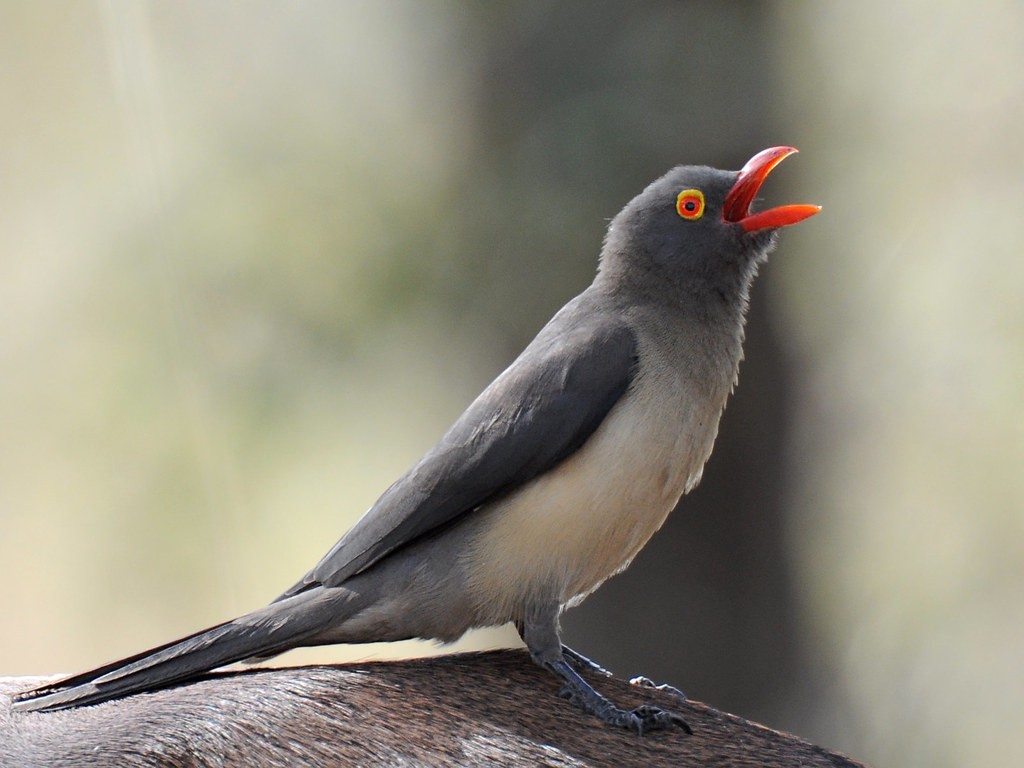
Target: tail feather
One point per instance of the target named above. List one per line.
(264, 633)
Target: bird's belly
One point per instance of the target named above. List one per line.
(561, 535)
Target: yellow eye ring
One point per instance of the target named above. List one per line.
(690, 204)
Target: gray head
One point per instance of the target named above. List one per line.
(691, 234)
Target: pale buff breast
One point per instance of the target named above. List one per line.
(564, 533)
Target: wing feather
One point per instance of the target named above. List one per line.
(540, 410)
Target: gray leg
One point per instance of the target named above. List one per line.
(580, 661)
(540, 633)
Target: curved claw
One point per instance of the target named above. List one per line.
(650, 718)
(641, 720)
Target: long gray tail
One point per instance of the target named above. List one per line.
(266, 632)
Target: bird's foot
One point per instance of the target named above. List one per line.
(641, 720)
(580, 661)
(645, 682)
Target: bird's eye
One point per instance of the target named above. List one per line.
(690, 204)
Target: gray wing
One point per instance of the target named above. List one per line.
(535, 414)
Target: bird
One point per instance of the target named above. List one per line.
(551, 480)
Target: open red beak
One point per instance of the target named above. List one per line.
(743, 192)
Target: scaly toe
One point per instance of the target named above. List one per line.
(645, 682)
(656, 719)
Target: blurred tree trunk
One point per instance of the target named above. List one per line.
(578, 108)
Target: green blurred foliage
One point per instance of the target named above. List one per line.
(909, 519)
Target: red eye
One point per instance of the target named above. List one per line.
(690, 204)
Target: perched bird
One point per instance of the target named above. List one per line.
(552, 479)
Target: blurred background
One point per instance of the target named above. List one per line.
(256, 257)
